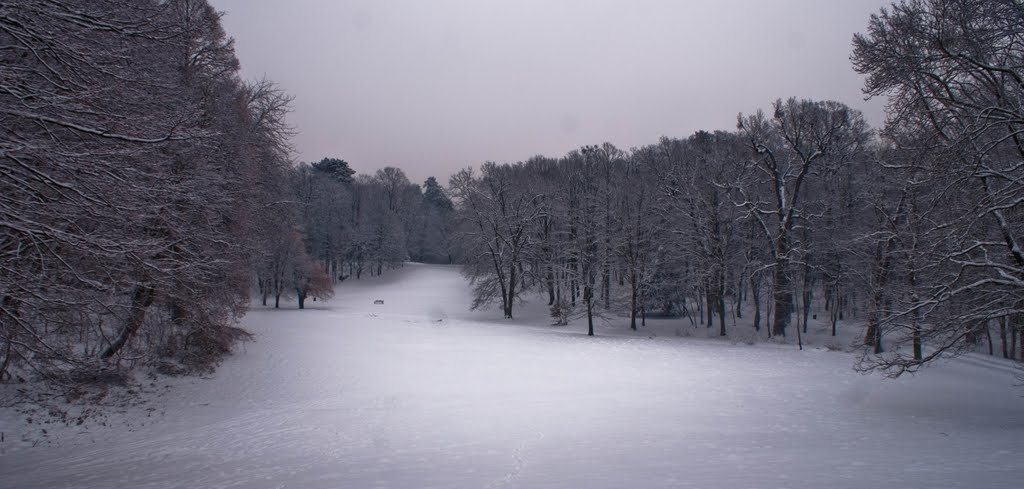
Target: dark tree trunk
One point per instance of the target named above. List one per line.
(10, 309)
(511, 291)
(783, 299)
(755, 296)
(834, 312)
(1002, 336)
(588, 299)
(877, 339)
(721, 314)
(606, 287)
(917, 344)
(1014, 324)
(799, 340)
(739, 299)
(263, 285)
(8, 342)
(141, 300)
(710, 305)
(872, 332)
(277, 293)
(501, 282)
(632, 300)
(808, 296)
(550, 277)
(988, 334)
(1021, 347)
(700, 306)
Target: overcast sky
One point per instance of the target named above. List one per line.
(434, 86)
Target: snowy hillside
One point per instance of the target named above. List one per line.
(419, 392)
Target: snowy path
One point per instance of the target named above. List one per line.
(361, 395)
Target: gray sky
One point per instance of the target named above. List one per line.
(434, 86)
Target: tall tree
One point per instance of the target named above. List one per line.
(135, 163)
(501, 207)
(786, 151)
(952, 73)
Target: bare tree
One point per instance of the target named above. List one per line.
(786, 150)
(133, 160)
(501, 208)
(952, 73)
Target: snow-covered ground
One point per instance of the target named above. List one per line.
(419, 392)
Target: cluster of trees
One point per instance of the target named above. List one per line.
(953, 73)
(917, 231)
(145, 189)
(682, 226)
(334, 225)
(138, 181)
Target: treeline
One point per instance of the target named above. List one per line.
(684, 226)
(139, 183)
(916, 232)
(334, 225)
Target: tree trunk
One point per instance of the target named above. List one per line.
(1002, 336)
(755, 296)
(877, 339)
(917, 344)
(1013, 338)
(263, 289)
(834, 311)
(873, 327)
(988, 334)
(1021, 347)
(721, 314)
(606, 287)
(9, 341)
(808, 297)
(588, 299)
(511, 291)
(700, 305)
(10, 309)
(710, 305)
(632, 300)
(799, 340)
(277, 293)
(783, 299)
(142, 298)
(549, 276)
(739, 298)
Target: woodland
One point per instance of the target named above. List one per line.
(148, 198)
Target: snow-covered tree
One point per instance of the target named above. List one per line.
(951, 71)
(134, 165)
(787, 150)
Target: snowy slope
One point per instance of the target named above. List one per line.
(419, 392)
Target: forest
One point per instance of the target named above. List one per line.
(149, 196)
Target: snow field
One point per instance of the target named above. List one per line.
(419, 392)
